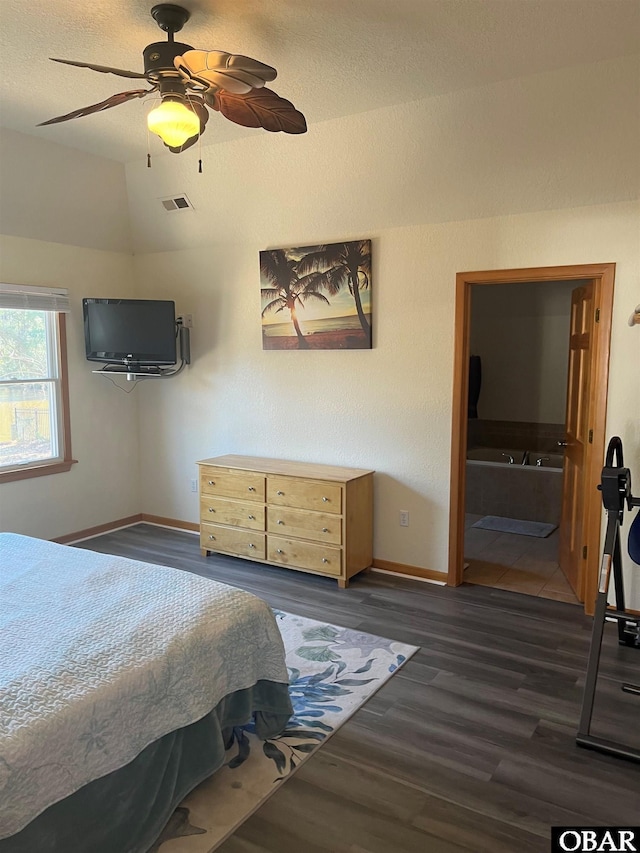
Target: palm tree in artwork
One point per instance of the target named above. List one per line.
(340, 264)
(287, 290)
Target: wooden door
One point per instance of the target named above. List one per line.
(601, 278)
(572, 524)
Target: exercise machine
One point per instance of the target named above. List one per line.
(615, 486)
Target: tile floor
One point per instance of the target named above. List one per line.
(519, 563)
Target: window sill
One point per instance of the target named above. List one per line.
(42, 470)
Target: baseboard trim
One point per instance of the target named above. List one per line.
(90, 532)
(634, 613)
(110, 526)
(194, 527)
(411, 571)
(191, 526)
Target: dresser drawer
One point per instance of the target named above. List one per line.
(232, 541)
(236, 513)
(244, 485)
(318, 558)
(320, 526)
(304, 494)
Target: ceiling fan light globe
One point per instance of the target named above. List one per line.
(173, 122)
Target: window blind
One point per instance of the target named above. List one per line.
(34, 298)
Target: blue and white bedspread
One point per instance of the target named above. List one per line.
(101, 655)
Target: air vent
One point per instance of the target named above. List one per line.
(178, 202)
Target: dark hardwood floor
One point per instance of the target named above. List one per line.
(469, 747)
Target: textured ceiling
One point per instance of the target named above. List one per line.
(334, 57)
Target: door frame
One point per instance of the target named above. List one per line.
(603, 276)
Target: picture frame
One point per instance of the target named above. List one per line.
(317, 297)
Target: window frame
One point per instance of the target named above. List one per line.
(64, 461)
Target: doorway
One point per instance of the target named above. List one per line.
(581, 512)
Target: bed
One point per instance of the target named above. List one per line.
(119, 684)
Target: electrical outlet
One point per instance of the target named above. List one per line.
(194, 485)
(404, 518)
(188, 321)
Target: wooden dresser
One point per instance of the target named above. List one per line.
(313, 518)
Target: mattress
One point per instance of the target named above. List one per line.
(100, 656)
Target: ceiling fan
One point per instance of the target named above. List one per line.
(189, 82)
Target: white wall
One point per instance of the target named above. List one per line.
(388, 408)
(64, 223)
(521, 333)
(480, 158)
(563, 145)
(550, 141)
(61, 195)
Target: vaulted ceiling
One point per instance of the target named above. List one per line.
(334, 57)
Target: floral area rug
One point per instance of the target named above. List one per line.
(332, 673)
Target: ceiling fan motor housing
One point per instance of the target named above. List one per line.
(159, 57)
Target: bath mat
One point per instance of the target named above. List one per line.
(540, 529)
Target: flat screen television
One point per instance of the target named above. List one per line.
(130, 331)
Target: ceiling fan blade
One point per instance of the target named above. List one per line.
(258, 108)
(216, 69)
(200, 109)
(104, 69)
(113, 101)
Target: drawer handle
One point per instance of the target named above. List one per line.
(212, 482)
(252, 488)
(251, 545)
(325, 529)
(252, 518)
(324, 560)
(279, 551)
(279, 492)
(280, 522)
(325, 499)
(211, 536)
(211, 509)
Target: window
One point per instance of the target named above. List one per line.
(34, 395)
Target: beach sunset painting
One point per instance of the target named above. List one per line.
(317, 297)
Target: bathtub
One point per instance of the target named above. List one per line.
(501, 455)
(529, 492)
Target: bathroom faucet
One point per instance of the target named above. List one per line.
(540, 460)
(525, 458)
(509, 457)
